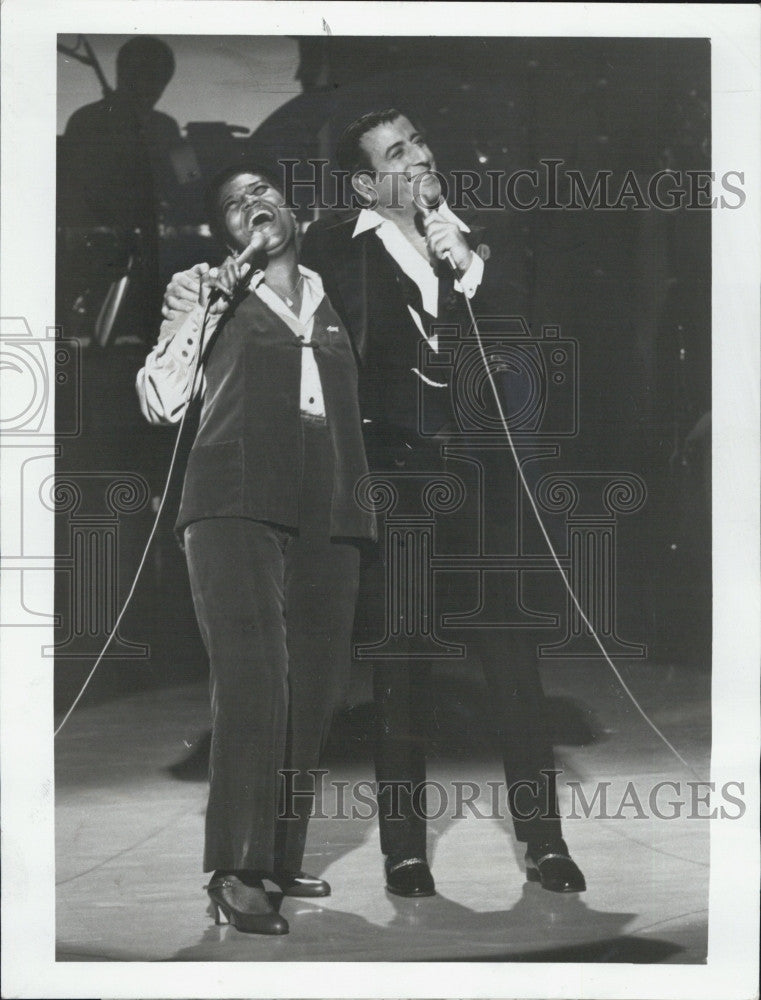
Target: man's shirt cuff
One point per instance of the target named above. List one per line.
(469, 281)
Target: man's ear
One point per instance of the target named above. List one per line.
(363, 183)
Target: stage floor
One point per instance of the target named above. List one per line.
(129, 833)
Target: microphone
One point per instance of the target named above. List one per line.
(426, 193)
(427, 198)
(256, 244)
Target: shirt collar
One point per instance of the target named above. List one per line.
(311, 279)
(313, 291)
(368, 219)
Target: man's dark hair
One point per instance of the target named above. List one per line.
(349, 152)
(145, 55)
(213, 215)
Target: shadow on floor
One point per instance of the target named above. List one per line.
(460, 723)
(438, 929)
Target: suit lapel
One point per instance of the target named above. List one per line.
(368, 288)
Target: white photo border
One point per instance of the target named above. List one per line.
(27, 253)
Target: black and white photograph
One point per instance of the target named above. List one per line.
(380, 474)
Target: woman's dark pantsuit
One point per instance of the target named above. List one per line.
(275, 609)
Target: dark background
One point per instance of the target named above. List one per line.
(633, 288)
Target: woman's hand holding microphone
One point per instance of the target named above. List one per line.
(187, 288)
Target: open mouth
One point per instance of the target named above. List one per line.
(260, 217)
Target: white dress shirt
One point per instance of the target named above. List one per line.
(420, 270)
(163, 384)
(415, 266)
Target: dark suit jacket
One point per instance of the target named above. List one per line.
(246, 459)
(368, 292)
(367, 289)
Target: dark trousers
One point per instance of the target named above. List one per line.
(402, 698)
(275, 609)
(401, 690)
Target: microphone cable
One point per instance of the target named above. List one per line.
(427, 201)
(551, 548)
(244, 257)
(524, 484)
(152, 533)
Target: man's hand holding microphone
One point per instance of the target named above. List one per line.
(444, 238)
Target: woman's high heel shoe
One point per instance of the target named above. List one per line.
(246, 907)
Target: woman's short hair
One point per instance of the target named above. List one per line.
(259, 167)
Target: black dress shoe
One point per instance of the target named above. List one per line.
(300, 884)
(244, 905)
(409, 877)
(549, 863)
